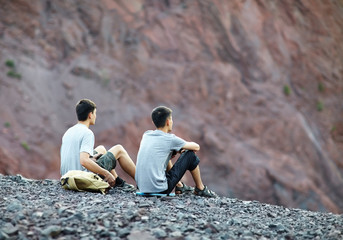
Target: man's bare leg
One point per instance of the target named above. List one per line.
(124, 160)
(113, 172)
(197, 178)
(100, 149)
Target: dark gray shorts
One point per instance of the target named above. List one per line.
(107, 161)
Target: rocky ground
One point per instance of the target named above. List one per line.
(41, 209)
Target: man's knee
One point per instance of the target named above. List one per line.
(193, 159)
(100, 149)
(117, 150)
(191, 154)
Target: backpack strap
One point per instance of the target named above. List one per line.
(64, 181)
(69, 183)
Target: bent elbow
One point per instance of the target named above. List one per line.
(196, 147)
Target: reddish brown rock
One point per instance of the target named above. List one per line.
(258, 84)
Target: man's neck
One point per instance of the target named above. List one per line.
(86, 123)
(164, 129)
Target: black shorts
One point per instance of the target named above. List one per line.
(187, 161)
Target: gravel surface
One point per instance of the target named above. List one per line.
(41, 209)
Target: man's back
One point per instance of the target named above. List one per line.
(153, 156)
(76, 139)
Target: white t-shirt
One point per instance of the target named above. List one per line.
(152, 160)
(76, 139)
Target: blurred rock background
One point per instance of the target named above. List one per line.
(258, 84)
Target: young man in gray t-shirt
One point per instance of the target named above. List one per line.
(78, 153)
(155, 172)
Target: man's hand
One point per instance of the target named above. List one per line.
(174, 153)
(97, 156)
(91, 165)
(110, 179)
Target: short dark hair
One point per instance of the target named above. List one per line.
(83, 108)
(160, 115)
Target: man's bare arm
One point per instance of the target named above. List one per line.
(92, 166)
(191, 146)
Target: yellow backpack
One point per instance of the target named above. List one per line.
(84, 181)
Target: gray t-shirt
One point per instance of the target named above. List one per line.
(76, 139)
(153, 156)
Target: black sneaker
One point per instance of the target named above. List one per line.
(184, 189)
(122, 185)
(205, 193)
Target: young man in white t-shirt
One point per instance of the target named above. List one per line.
(155, 172)
(78, 153)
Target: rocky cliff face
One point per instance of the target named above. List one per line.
(258, 84)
